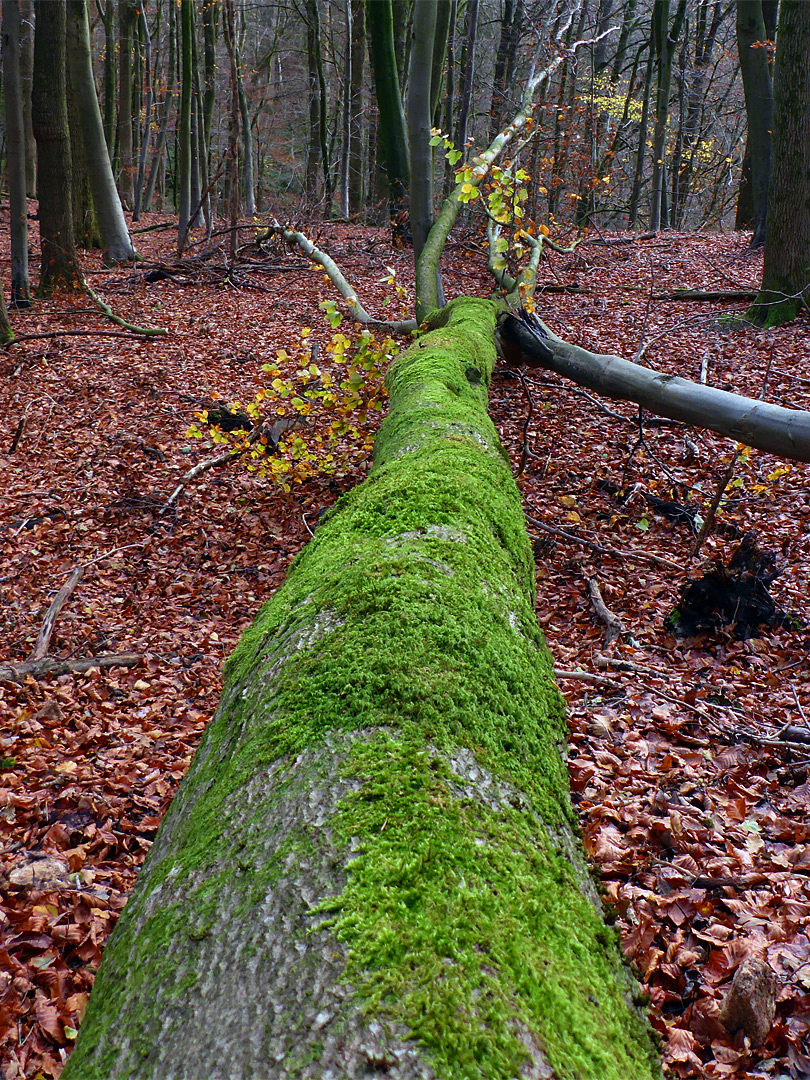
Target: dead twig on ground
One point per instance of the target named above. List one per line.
(52, 614)
(616, 553)
(48, 666)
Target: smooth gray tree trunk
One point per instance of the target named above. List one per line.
(112, 223)
(15, 137)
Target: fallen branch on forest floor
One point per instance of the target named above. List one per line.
(18, 672)
(616, 553)
(211, 463)
(52, 614)
(613, 624)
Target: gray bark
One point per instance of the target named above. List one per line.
(15, 135)
(112, 223)
(756, 423)
(758, 88)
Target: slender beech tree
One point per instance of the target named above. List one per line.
(392, 134)
(27, 76)
(185, 164)
(785, 286)
(126, 161)
(420, 100)
(15, 138)
(665, 36)
(59, 265)
(109, 76)
(166, 109)
(356, 119)
(758, 88)
(112, 223)
(146, 139)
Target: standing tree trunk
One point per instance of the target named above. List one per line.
(126, 168)
(15, 134)
(392, 135)
(511, 28)
(786, 271)
(171, 78)
(373, 866)
(357, 60)
(85, 220)
(59, 263)
(27, 77)
(112, 223)
(467, 71)
(147, 127)
(756, 77)
(109, 77)
(665, 38)
(346, 114)
(233, 135)
(419, 123)
(184, 133)
(314, 141)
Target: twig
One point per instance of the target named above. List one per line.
(70, 333)
(799, 707)
(147, 331)
(15, 442)
(639, 556)
(52, 614)
(525, 453)
(48, 666)
(719, 491)
(615, 626)
(210, 463)
(704, 369)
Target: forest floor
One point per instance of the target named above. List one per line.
(693, 806)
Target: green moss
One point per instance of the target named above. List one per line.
(463, 923)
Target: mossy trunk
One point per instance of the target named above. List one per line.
(372, 866)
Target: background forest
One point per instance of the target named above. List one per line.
(184, 400)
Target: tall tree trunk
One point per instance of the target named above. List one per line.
(641, 153)
(443, 15)
(392, 138)
(467, 71)
(109, 76)
(373, 866)
(59, 265)
(511, 29)
(346, 114)
(86, 231)
(313, 173)
(27, 77)
(450, 94)
(705, 38)
(147, 127)
(665, 38)
(112, 223)
(233, 135)
(756, 77)
(171, 79)
(248, 168)
(126, 167)
(628, 23)
(357, 59)
(15, 135)
(184, 164)
(419, 123)
(786, 270)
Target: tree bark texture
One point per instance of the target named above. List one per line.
(59, 264)
(112, 223)
(419, 122)
(358, 62)
(391, 134)
(126, 164)
(756, 77)
(185, 163)
(756, 423)
(15, 134)
(786, 270)
(372, 866)
(27, 75)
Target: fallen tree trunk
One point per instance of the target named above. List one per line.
(372, 866)
(756, 423)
